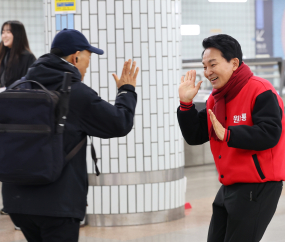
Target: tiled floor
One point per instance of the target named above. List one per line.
(202, 186)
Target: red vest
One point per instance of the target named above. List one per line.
(237, 165)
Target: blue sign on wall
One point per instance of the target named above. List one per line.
(263, 28)
(279, 28)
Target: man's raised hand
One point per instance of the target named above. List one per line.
(129, 74)
(187, 89)
(218, 127)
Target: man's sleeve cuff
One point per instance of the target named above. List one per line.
(227, 135)
(185, 106)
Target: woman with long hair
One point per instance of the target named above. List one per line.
(15, 54)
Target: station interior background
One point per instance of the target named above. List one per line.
(236, 19)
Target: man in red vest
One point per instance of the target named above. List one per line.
(244, 122)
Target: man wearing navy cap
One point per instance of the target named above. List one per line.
(51, 213)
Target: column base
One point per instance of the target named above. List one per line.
(112, 220)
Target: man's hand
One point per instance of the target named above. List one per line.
(129, 75)
(219, 129)
(187, 88)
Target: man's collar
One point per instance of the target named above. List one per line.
(67, 62)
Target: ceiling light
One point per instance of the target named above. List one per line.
(190, 29)
(227, 1)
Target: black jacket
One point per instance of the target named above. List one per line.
(88, 115)
(18, 70)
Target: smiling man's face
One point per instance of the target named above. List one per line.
(216, 68)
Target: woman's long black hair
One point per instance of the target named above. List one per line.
(19, 45)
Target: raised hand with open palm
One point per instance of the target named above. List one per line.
(187, 89)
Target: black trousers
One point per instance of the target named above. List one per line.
(47, 229)
(242, 212)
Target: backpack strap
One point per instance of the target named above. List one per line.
(63, 105)
(75, 150)
(22, 83)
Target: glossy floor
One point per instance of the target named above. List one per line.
(202, 186)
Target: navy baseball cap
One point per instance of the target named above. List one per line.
(70, 40)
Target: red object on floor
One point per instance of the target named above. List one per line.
(188, 206)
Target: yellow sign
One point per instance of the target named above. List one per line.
(65, 6)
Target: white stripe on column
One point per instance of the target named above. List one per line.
(154, 128)
(136, 14)
(102, 14)
(85, 14)
(146, 113)
(114, 199)
(93, 7)
(158, 27)
(123, 199)
(163, 13)
(114, 165)
(120, 45)
(147, 144)
(154, 156)
(143, 6)
(106, 199)
(153, 99)
(131, 143)
(136, 42)
(119, 15)
(105, 159)
(123, 158)
(127, 6)
(138, 129)
(90, 201)
(151, 41)
(144, 47)
(77, 22)
(152, 71)
(172, 194)
(112, 87)
(167, 156)
(161, 196)
(162, 163)
(147, 197)
(128, 51)
(128, 27)
(155, 197)
(103, 74)
(139, 157)
(177, 195)
(138, 61)
(111, 29)
(147, 163)
(164, 42)
(98, 200)
(103, 43)
(167, 195)
(159, 55)
(140, 198)
(132, 198)
(131, 165)
(89, 161)
(157, 6)
(110, 6)
(151, 14)
(144, 29)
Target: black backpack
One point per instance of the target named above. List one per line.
(31, 133)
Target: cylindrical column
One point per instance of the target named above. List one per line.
(142, 178)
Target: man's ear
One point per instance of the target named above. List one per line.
(235, 63)
(75, 57)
